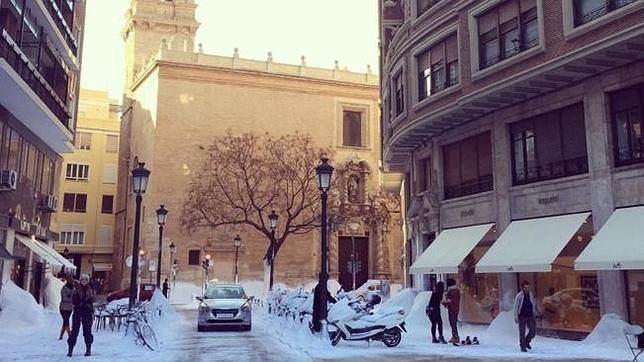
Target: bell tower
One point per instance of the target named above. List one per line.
(152, 24)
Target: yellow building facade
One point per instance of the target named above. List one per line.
(85, 218)
(178, 100)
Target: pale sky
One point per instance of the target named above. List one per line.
(322, 30)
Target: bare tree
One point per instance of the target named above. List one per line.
(246, 176)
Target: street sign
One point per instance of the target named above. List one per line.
(152, 266)
(128, 261)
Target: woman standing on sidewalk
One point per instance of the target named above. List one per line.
(433, 311)
(66, 304)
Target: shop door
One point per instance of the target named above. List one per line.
(37, 281)
(18, 274)
(361, 261)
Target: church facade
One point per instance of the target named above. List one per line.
(177, 100)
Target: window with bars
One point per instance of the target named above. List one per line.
(549, 146)
(438, 67)
(467, 166)
(399, 94)
(506, 30)
(586, 11)
(627, 113)
(107, 204)
(194, 256)
(72, 235)
(83, 140)
(77, 172)
(352, 128)
(74, 202)
(112, 144)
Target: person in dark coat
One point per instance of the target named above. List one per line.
(66, 304)
(433, 311)
(452, 302)
(165, 288)
(83, 299)
(317, 294)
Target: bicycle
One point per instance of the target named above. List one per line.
(144, 334)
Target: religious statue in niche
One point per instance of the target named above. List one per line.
(352, 189)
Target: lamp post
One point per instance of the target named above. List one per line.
(205, 264)
(162, 213)
(237, 243)
(272, 218)
(173, 249)
(140, 177)
(324, 172)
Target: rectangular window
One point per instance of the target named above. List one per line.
(109, 174)
(399, 94)
(438, 67)
(83, 140)
(193, 257)
(72, 234)
(424, 174)
(77, 172)
(549, 146)
(352, 128)
(107, 205)
(112, 144)
(74, 202)
(467, 166)
(627, 113)
(586, 11)
(105, 235)
(506, 30)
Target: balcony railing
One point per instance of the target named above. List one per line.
(484, 183)
(62, 25)
(10, 52)
(565, 168)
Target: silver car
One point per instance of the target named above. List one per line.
(224, 306)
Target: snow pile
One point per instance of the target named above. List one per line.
(51, 293)
(117, 303)
(404, 299)
(333, 286)
(503, 328)
(162, 317)
(417, 318)
(609, 334)
(19, 309)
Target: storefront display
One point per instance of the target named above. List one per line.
(636, 296)
(479, 292)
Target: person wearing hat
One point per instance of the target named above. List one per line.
(83, 300)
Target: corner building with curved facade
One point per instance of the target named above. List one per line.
(518, 126)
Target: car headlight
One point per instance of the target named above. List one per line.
(245, 308)
(203, 308)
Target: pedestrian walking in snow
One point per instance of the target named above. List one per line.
(433, 311)
(66, 304)
(452, 303)
(165, 288)
(83, 299)
(525, 313)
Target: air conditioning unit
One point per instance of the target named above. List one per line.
(8, 180)
(49, 203)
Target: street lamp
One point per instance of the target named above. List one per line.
(140, 177)
(173, 249)
(237, 243)
(272, 218)
(324, 172)
(162, 213)
(205, 264)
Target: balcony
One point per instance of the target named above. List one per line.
(31, 99)
(63, 16)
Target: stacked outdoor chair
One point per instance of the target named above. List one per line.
(636, 333)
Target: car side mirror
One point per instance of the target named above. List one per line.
(199, 299)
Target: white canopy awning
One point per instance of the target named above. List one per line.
(46, 252)
(619, 244)
(449, 249)
(530, 245)
(102, 266)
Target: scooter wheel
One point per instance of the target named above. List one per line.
(391, 337)
(335, 337)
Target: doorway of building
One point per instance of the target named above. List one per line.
(347, 248)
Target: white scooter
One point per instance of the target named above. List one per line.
(384, 325)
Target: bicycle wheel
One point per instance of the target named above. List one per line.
(148, 336)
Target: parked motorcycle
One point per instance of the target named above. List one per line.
(385, 324)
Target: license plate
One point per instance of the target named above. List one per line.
(225, 315)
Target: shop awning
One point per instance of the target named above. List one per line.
(618, 245)
(530, 245)
(46, 252)
(5, 255)
(449, 249)
(102, 266)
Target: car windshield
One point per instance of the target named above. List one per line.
(225, 293)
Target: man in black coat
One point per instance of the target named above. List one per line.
(83, 300)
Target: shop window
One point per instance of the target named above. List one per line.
(549, 146)
(636, 296)
(506, 30)
(352, 128)
(479, 291)
(586, 11)
(627, 113)
(438, 67)
(193, 257)
(77, 172)
(83, 141)
(107, 204)
(74, 202)
(467, 166)
(424, 174)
